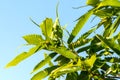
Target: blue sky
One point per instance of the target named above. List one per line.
(15, 22)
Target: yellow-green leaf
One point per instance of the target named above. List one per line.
(65, 52)
(92, 2)
(82, 20)
(90, 62)
(22, 56)
(33, 39)
(43, 62)
(110, 43)
(46, 27)
(114, 3)
(44, 73)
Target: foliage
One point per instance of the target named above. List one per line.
(100, 62)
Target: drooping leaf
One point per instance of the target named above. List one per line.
(110, 43)
(33, 39)
(22, 56)
(82, 20)
(44, 73)
(46, 27)
(114, 3)
(44, 62)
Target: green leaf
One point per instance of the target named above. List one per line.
(115, 25)
(64, 51)
(92, 2)
(118, 40)
(66, 68)
(110, 43)
(84, 75)
(112, 59)
(44, 73)
(44, 62)
(33, 39)
(114, 3)
(109, 31)
(82, 20)
(62, 60)
(90, 62)
(22, 56)
(72, 76)
(57, 30)
(50, 62)
(83, 49)
(104, 13)
(46, 27)
(82, 40)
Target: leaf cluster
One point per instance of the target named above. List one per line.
(100, 48)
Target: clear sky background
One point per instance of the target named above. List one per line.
(15, 22)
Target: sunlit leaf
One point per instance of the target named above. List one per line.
(66, 68)
(92, 2)
(90, 62)
(82, 40)
(50, 62)
(44, 73)
(22, 56)
(64, 51)
(80, 24)
(46, 27)
(57, 30)
(44, 62)
(114, 3)
(33, 39)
